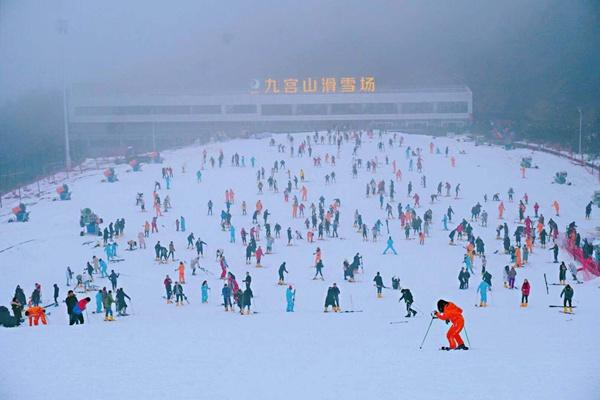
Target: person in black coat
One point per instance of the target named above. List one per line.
(36, 296)
(17, 309)
(71, 301)
(408, 299)
(379, 284)
(248, 280)
(247, 300)
(332, 299)
(20, 295)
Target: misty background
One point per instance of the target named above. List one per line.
(532, 62)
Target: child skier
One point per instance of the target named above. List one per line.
(290, 297)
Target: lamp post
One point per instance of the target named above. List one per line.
(580, 120)
(63, 29)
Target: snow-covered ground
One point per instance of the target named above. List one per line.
(200, 352)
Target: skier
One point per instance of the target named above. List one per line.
(512, 274)
(588, 210)
(319, 267)
(290, 297)
(449, 312)
(56, 291)
(69, 276)
(281, 271)
(113, 279)
(99, 299)
(108, 302)
(482, 289)
(34, 315)
(573, 270)
(567, 293)
(379, 284)
(555, 252)
(390, 246)
(181, 270)
(525, 289)
(562, 273)
(247, 301)
(178, 292)
(408, 299)
(226, 293)
(205, 290)
(332, 298)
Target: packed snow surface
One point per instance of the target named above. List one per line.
(198, 351)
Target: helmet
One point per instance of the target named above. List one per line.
(441, 304)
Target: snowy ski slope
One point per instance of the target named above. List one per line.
(200, 352)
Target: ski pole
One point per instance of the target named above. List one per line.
(467, 335)
(545, 280)
(426, 333)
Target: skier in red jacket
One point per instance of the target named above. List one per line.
(450, 312)
(525, 288)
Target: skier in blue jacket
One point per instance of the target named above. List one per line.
(390, 246)
(482, 290)
(103, 268)
(99, 299)
(205, 290)
(290, 296)
(231, 234)
(226, 293)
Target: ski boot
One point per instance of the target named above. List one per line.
(461, 347)
(414, 313)
(379, 295)
(407, 315)
(445, 348)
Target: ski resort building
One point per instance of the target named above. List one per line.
(141, 120)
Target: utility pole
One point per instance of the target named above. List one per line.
(580, 121)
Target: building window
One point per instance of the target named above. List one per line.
(206, 109)
(241, 109)
(276, 109)
(171, 110)
(380, 108)
(311, 109)
(417, 108)
(456, 107)
(346, 108)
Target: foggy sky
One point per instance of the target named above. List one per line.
(195, 46)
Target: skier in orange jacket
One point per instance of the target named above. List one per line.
(450, 312)
(500, 210)
(556, 207)
(181, 270)
(35, 314)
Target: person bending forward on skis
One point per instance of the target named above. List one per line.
(450, 312)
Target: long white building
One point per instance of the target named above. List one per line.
(134, 118)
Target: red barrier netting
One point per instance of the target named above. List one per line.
(590, 268)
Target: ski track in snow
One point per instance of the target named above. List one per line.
(200, 352)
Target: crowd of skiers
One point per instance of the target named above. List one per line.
(321, 220)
